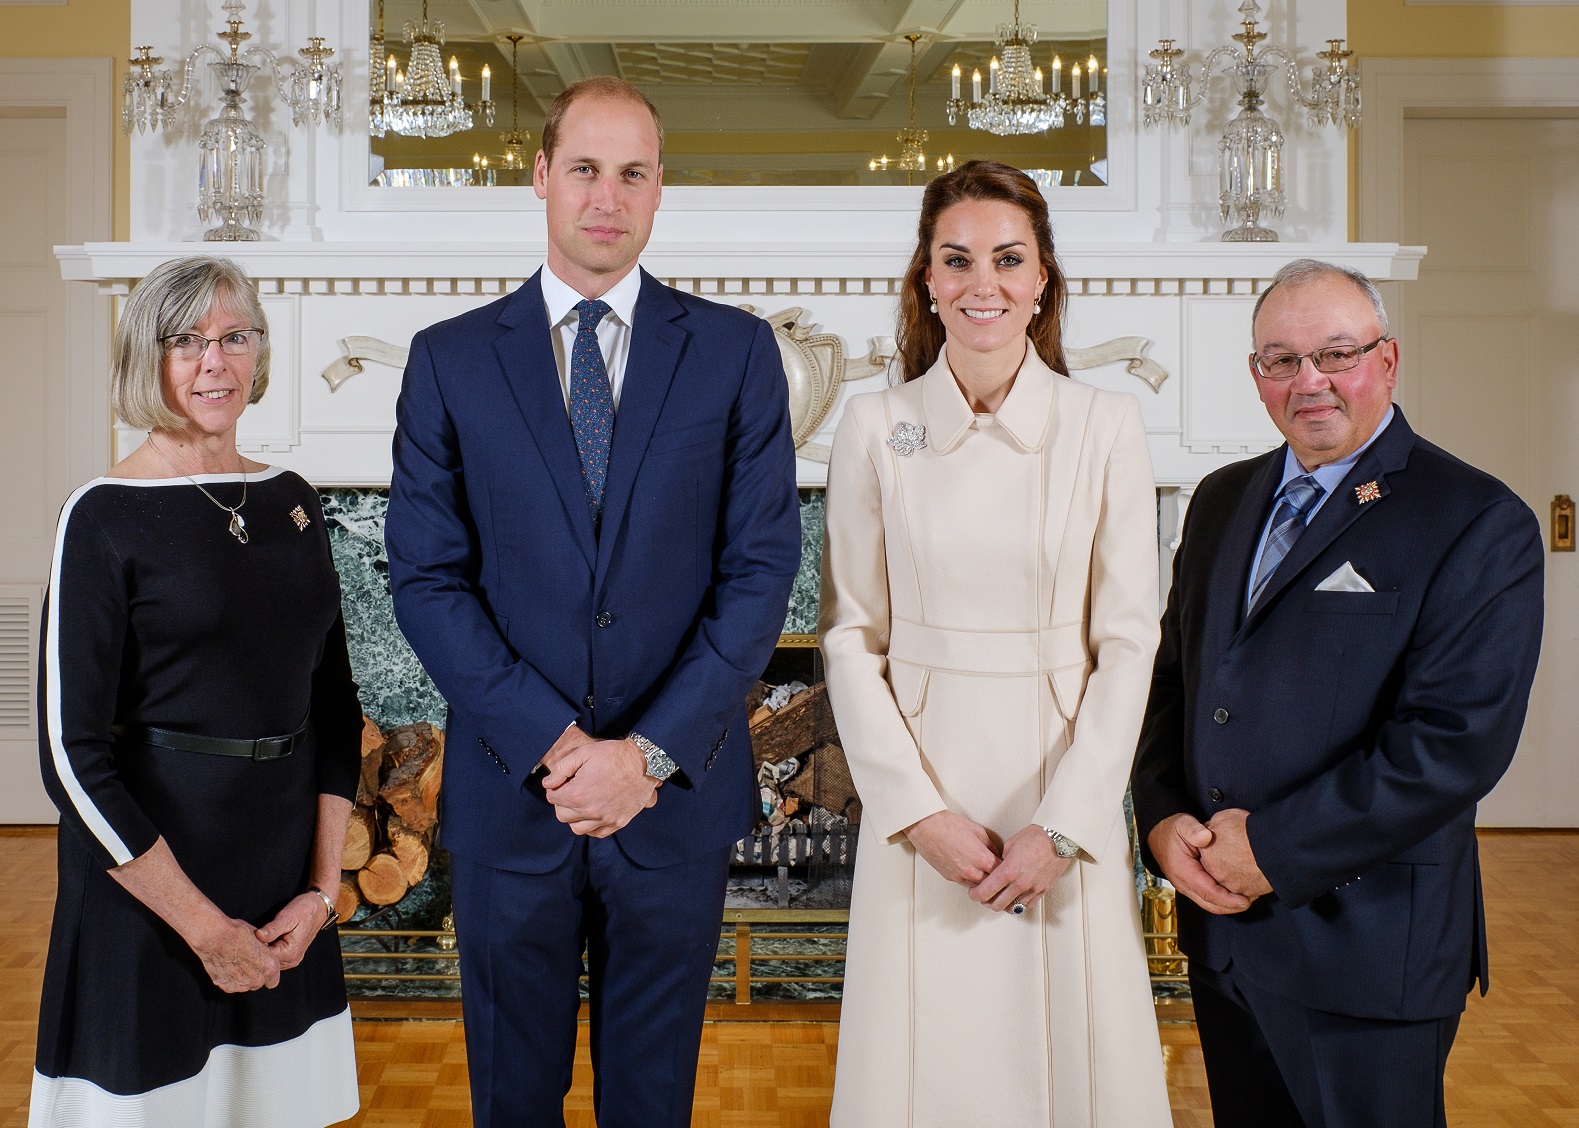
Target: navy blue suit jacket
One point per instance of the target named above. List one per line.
(528, 620)
(1358, 728)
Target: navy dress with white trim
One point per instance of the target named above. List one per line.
(157, 616)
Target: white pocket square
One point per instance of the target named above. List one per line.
(1345, 579)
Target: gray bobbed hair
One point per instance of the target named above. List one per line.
(173, 298)
(1305, 270)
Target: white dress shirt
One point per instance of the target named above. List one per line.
(614, 331)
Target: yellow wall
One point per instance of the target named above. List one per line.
(1387, 28)
(1390, 29)
(80, 28)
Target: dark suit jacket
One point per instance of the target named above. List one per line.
(1359, 729)
(527, 620)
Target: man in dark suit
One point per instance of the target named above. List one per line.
(1346, 658)
(592, 533)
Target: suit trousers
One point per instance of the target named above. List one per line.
(1275, 1063)
(650, 937)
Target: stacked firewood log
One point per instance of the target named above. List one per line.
(397, 802)
(800, 728)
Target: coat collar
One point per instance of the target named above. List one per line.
(1026, 413)
(657, 342)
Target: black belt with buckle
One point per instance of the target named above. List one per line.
(264, 748)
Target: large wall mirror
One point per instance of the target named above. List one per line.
(798, 92)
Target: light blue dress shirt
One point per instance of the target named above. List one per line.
(1328, 477)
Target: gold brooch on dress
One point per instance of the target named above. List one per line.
(907, 439)
(1368, 492)
(299, 515)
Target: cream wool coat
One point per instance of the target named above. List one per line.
(989, 616)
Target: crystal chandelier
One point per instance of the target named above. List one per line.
(912, 157)
(230, 166)
(1250, 152)
(517, 157)
(516, 154)
(422, 100)
(1015, 101)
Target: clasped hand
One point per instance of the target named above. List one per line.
(1020, 871)
(1210, 863)
(597, 786)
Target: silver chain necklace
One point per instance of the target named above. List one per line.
(238, 527)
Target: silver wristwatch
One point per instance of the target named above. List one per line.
(1061, 845)
(659, 766)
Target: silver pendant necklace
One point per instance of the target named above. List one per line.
(238, 526)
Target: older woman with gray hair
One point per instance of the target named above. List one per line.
(201, 740)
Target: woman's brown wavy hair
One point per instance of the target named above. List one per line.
(921, 334)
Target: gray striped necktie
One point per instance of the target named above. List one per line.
(1298, 498)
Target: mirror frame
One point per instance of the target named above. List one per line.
(357, 195)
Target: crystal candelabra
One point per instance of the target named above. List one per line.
(230, 166)
(423, 100)
(912, 156)
(1250, 152)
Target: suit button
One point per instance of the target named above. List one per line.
(588, 701)
(1221, 716)
(1216, 794)
(604, 619)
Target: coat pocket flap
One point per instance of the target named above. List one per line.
(909, 684)
(1353, 602)
(1069, 686)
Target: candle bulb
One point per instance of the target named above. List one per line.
(992, 76)
(1058, 74)
(1074, 82)
(1038, 80)
(954, 83)
(975, 86)
(389, 75)
(1091, 73)
(455, 76)
(487, 83)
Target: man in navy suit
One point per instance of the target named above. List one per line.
(1346, 658)
(592, 533)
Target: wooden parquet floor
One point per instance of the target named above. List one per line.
(1513, 1066)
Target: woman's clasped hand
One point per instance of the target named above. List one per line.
(997, 875)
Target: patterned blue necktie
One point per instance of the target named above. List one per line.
(591, 403)
(1299, 497)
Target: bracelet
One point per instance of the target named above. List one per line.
(328, 904)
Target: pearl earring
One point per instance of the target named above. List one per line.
(1037, 308)
(934, 306)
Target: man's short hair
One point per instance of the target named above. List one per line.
(173, 298)
(598, 86)
(1305, 270)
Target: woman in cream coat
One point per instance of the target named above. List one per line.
(989, 616)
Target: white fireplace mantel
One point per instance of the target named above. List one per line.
(1189, 303)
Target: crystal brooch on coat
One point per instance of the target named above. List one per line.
(1368, 492)
(907, 439)
(299, 515)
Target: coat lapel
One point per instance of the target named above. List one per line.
(1231, 572)
(655, 349)
(1390, 452)
(527, 356)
